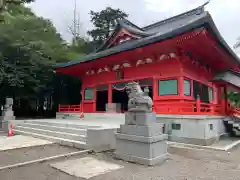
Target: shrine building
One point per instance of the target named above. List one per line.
(184, 61)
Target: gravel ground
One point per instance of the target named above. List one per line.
(31, 153)
(181, 165)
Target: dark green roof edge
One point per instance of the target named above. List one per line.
(205, 20)
(224, 76)
(197, 10)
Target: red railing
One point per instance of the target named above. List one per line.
(234, 111)
(188, 108)
(173, 107)
(70, 108)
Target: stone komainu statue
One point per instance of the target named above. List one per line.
(138, 100)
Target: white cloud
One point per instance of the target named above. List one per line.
(142, 12)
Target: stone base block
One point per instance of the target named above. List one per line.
(140, 160)
(146, 131)
(147, 150)
(7, 115)
(4, 126)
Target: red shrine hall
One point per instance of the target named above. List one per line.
(184, 61)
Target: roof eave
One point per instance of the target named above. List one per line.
(221, 40)
(149, 40)
(206, 19)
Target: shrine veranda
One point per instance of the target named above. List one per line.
(184, 61)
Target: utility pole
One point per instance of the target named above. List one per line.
(75, 22)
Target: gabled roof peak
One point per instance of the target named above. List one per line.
(125, 21)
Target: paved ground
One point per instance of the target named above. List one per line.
(19, 141)
(182, 165)
(32, 153)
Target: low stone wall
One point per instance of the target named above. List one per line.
(67, 115)
(200, 130)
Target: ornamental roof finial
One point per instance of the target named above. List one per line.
(206, 3)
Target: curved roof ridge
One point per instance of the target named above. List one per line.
(199, 10)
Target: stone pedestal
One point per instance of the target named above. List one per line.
(141, 139)
(7, 114)
(4, 126)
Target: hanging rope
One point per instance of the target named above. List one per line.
(119, 89)
(122, 89)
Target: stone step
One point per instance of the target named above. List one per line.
(105, 116)
(58, 134)
(60, 124)
(62, 141)
(79, 131)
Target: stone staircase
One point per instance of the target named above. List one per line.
(232, 125)
(73, 135)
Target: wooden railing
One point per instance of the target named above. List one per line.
(188, 108)
(70, 108)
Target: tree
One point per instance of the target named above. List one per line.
(5, 5)
(29, 47)
(104, 23)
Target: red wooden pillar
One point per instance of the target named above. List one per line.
(191, 85)
(219, 95)
(155, 88)
(155, 92)
(82, 103)
(225, 98)
(181, 86)
(198, 104)
(94, 98)
(109, 93)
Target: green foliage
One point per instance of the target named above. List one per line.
(79, 48)
(104, 23)
(10, 7)
(234, 98)
(29, 47)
